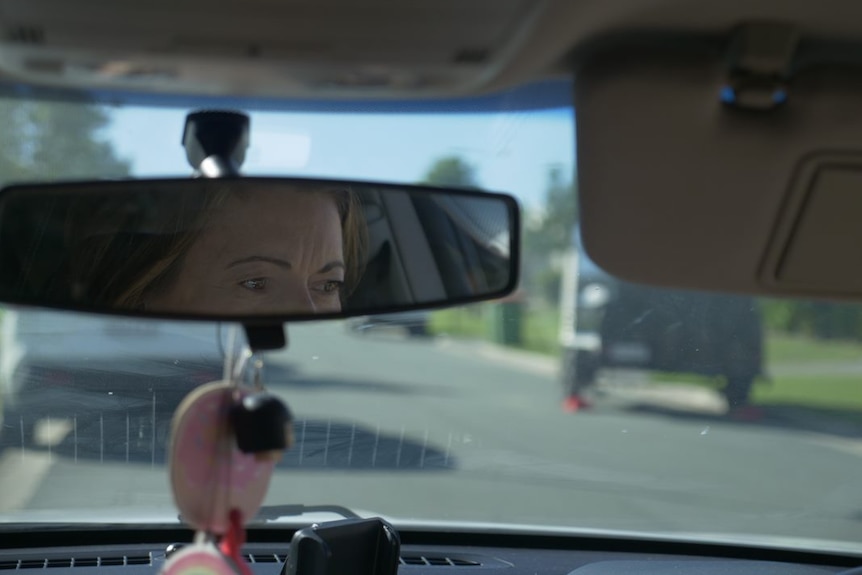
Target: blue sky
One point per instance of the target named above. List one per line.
(511, 152)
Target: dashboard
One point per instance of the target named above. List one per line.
(545, 556)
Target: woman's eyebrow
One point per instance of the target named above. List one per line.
(251, 259)
(331, 266)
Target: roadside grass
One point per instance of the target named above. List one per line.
(819, 400)
(781, 348)
(828, 391)
(826, 395)
(671, 378)
(539, 326)
(828, 398)
(541, 331)
(840, 393)
(459, 322)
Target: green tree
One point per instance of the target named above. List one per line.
(813, 318)
(551, 230)
(547, 233)
(561, 210)
(48, 140)
(451, 171)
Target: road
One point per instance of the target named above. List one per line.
(417, 428)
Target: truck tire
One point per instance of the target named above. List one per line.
(737, 390)
(743, 359)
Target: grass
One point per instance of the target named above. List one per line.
(831, 391)
(462, 322)
(826, 398)
(782, 348)
(827, 391)
(539, 327)
(541, 331)
(830, 398)
(686, 379)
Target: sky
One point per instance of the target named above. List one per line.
(512, 152)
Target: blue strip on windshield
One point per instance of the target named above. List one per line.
(545, 95)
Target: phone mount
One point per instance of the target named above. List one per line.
(354, 546)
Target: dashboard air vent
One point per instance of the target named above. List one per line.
(83, 561)
(26, 35)
(411, 559)
(437, 561)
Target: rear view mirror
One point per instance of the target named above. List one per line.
(253, 248)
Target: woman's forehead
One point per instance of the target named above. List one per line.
(285, 194)
(301, 220)
(274, 203)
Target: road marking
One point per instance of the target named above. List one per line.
(21, 474)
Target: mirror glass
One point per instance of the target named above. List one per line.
(253, 247)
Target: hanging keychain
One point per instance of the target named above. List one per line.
(226, 439)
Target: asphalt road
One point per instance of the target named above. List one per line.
(438, 430)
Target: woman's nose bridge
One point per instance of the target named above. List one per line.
(298, 297)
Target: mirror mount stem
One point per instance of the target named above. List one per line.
(217, 167)
(216, 142)
(265, 337)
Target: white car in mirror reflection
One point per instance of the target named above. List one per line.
(115, 380)
(415, 323)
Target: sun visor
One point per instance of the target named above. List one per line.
(728, 163)
(818, 243)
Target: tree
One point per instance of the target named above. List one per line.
(561, 210)
(451, 171)
(49, 140)
(812, 318)
(548, 233)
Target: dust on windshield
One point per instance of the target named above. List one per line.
(580, 401)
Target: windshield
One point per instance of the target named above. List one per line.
(579, 402)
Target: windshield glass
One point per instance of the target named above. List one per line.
(579, 402)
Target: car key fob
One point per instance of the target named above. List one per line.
(261, 423)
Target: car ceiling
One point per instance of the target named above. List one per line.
(346, 48)
(674, 189)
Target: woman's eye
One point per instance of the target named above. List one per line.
(331, 286)
(254, 284)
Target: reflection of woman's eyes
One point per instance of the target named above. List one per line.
(254, 284)
(330, 287)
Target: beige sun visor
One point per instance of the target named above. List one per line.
(724, 163)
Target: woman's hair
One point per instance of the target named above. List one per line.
(123, 257)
